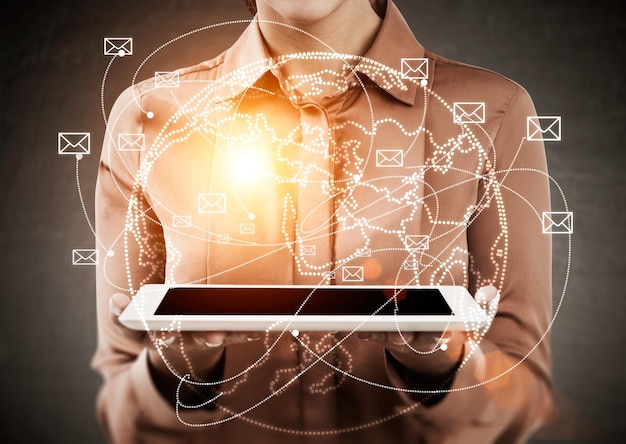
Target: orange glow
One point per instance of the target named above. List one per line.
(372, 269)
(248, 164)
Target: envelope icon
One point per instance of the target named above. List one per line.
(389, 158)
(544, 128)
(469, 112)
(560, 222)
(131, 142)
(246, 228)
(118, 46)
(223, 238)
(410, 264)
(365, 252)
(211, 203)
(308, 250)
(414, 68)
(166, 79)
(74, 143)
(417, 242)
(181, 221)
(85, 257)
(352, 273)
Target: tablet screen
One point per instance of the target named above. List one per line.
(287, 300)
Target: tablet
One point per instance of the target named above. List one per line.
(302, 308)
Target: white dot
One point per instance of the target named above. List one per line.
(295, 333)
(149, 114)
(424, 82)
(251, 216)
(110, 253)
(443, 347)
(121, 53)
(79, 156)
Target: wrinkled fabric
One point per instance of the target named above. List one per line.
(281, 189)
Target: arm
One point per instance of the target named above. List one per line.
(512, 406)
(138, 391)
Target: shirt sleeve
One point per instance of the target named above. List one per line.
(503, 389)
(132, 251)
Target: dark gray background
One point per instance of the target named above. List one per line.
(566, 53)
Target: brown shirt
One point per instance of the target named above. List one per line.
(244, 179)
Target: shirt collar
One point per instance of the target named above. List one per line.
(244, 62)
(394, 41)
(248, 59)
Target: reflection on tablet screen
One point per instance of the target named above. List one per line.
(287, 300)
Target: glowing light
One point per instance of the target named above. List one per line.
(248, 164)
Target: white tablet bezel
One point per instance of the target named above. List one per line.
(139, 315)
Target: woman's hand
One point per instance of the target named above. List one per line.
(198, 353)
(431, 354)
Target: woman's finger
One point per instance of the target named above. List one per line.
(117, 304)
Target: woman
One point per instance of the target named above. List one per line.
(353, 156)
